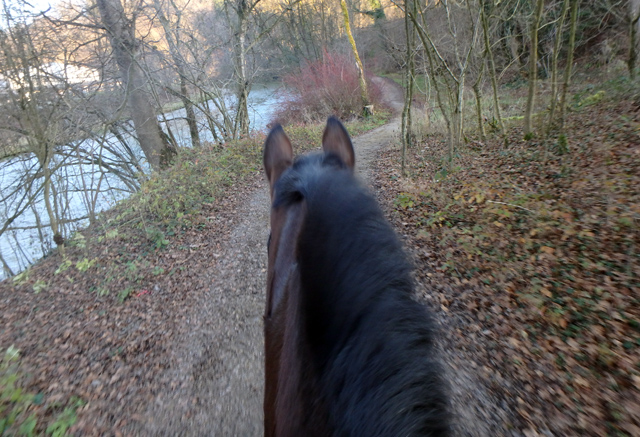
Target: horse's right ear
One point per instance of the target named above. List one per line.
(336, 140)
(277, 155)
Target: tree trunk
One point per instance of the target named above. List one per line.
(567, 69)
(173, 41)
(190, 113)
(634, 23)
(408, 91)
(477, 91)
(458, 119)
(121, 32)
(533, 68)
(554, 65)
(53, 217)
(243, 10)
(431, 53)
(242, 114)
(363, 83)
(492, 69)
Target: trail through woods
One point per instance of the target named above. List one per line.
(215, 383)
(183, 354)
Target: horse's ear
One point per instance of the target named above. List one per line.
(277, 155)
(336, 140)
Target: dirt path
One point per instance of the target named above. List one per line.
(215, 382)
(215, 385)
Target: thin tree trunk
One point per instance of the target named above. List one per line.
(492, 69)
(53, 217)
(363, 83)
(243, 10)
(533, 68)
(408, 91)
(458, 117)
(5, 267)
(172, 41)
(634, 23)
(190, 113)
(554, 65)
(568, 67)
(477, 91)
(241, 126)
(121, 34)
(430, 52)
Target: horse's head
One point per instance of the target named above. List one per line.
(284, 385)
(287, 200)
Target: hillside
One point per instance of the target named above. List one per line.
(531, 253)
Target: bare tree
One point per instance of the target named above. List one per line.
(492, 66)
(59, 156)
(38, 118)
(449, 71)
(409, 80)
(569, 62)
(172, 36)
(363, 83)
(308, 29)
(126, 48)
(533, 67)
(477, 92)
(634, 28)
(559, 25)
(239, 13)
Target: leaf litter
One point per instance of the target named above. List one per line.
(532, 255)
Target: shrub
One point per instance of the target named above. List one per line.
(324, 87)
(197, 176)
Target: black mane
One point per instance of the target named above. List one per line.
(371, 343)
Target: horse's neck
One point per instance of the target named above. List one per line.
(299, 409)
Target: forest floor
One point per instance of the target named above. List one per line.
(532, 254)
(527, 254)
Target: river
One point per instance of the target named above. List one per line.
(85, 185)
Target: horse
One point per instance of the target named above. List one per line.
(348, 350)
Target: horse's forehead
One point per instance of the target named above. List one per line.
(305, 163)
(296, 176)
(313, 164)
(309, 158)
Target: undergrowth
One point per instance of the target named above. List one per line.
(199, 177)
(18, 408)
(549, 230)
(327, 86)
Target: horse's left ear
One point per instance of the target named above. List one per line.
(277, 155)
(336, 140)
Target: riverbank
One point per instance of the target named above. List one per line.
(10, 149)
(88, 177)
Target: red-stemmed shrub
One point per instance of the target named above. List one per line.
(328, 86)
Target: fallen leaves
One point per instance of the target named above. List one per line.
(77, 340)
(545, 247)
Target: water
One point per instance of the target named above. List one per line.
(85, 187)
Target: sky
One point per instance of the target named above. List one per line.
(40, 5)
(36, 7)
